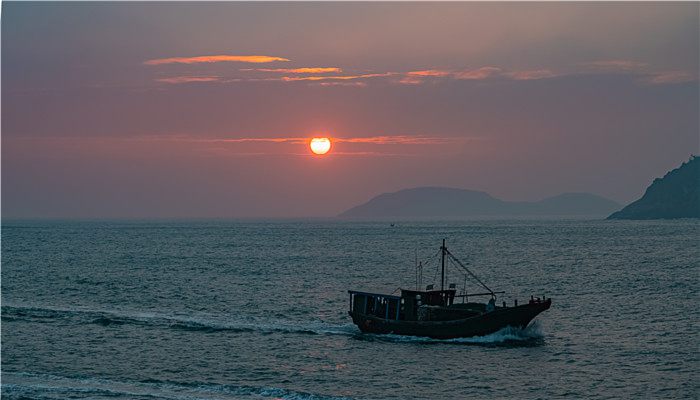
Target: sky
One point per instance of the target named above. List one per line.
(184, 110)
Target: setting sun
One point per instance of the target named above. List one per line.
(320, 145)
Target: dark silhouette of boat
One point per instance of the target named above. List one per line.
(435, 314)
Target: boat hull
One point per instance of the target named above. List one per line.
(480, 325)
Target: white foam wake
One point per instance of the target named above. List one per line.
(196, 322)
(508, 335)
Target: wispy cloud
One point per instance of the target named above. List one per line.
(305, 70)
(370, 154)
(188, 79)
(270, 146)
(411, 80)
(239, 139)
(670, 77)
(395, 139)
(380, 140)
(480, 73)
(355, 84)
(418, 77)
(615, 65)
(628, 67)
(429, 72)
(331, 76)
(646, 73)
(531, 74)
(334, 77)
(214, 59)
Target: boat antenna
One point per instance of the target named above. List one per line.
(416, 266)
(420, 275)
(443, 250)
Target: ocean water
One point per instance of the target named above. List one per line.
(258, 310)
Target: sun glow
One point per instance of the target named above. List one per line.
(320, 146)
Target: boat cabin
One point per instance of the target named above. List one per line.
(404, 307)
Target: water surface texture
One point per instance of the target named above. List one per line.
(258, 310)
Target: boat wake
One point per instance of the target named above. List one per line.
(507, 337)
(530, 336)
(199, 323)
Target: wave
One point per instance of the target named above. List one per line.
(205, 324)
(28, 384)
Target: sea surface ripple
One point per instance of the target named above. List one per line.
(258, 310)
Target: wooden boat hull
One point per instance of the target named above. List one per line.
(480, 325)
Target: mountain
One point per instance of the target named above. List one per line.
(676, 195)
(424, 202)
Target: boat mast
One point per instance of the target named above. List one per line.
(443, 250)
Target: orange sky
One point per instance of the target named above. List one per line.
(142, 110)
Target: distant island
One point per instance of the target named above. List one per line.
(442, 202)
(676, 195)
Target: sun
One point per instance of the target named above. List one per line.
(320, 145)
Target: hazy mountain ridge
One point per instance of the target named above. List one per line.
(424, 202)
(676, 195)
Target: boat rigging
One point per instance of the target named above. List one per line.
(433, 313)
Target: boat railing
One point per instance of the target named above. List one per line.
(378, 305)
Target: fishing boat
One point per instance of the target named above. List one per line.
(435, 313)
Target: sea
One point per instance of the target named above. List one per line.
(258, 309)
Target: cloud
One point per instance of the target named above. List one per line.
(410, 80)
(189, 79)
(385, 139)
(355, 84)
(213, 59)
(316, 75)
(368, 154)
(644, 70)
(417, 77)
(333, 77)
(481, 73)
(531, 74)
(615, 65)
(429, 72)
(670, 77)
(308, 70)
(246, 140)
(386, 145)
(395, 139)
